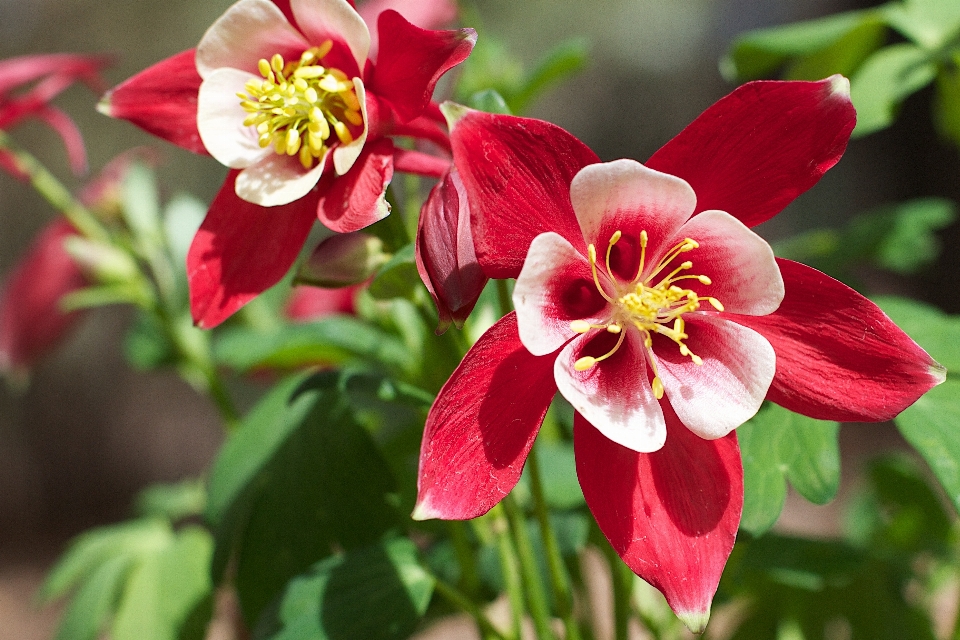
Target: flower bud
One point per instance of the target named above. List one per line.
(343, 260)
(101, 262)
(446, 258)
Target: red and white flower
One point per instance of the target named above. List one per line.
(288, 95)
(643, 297)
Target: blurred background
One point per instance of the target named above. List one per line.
(88, 433)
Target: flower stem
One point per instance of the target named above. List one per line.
(494, 528)
(53, 191)
(536, 593)
(503, 296)
(622, 579)
(455, 597)
(469, 578)
(559, 581)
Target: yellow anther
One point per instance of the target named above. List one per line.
(311, 96)
(353, 117)
(276, 63)
(306, 156)
(614, 328)
(657, 387)
(580, 326)
(293, 142)
(592, 253)
(643, 238)
(715, 304)
(690, 243)
(264, 67)
(704, 280)
(324, 48)
(584, 363)
(697, 360)
(342, 132)
(309, 72)
(615, 237)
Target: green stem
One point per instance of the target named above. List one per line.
(465, 604)
(622, 579)
(469, 577)
(559, 581)
(494, 528)
(53, 191)
(503, 296)
(536, 593)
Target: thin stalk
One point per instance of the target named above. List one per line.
(503, 296)
(469, 576)
(455, 597)
(559, 580)
(53, 191)
(495, 528)
(622, 579)
(536, 593)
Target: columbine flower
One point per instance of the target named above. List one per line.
(287, 95)
(645, 299)
(51, 73)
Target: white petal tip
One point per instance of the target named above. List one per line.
(423, 511)
(938, 372)
(696, 621)
(454, 113)
(104, 105)
(840, 85)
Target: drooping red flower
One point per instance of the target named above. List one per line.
(31, 320)
(309, 137)
(643, 297)
(50, 74)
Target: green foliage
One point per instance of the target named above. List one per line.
(398, 278)
(854, 44)
(378, 592)
(298, 480)
(900, 238)
(139, 580)
(778, 445)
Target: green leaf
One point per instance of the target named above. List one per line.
(947, 104)
(332, 340)
(910, 242)
(165, 587)
(558, 471)
(95, 601)
(777, 445)
(935, 331)
(297, 480)
(843, 56)
(929, 23)
(562, 61)
(182, 217)
(759, 53)
(885, 79)
(146, 345)
(932, 426)
(398, 278)
(490, 101)
(141, 205)
(173, 502)
(375, 593)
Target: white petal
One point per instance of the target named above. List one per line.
(276, 180)
(624, 195)
(725, 391)
(334, 19)
(544, 312)
(614, 395)
(344, 155)
(248, 31)
(744, 274)
(220, 120)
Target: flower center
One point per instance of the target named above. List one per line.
(297, 105)
(654, 303)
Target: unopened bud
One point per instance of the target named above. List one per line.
(343, 260)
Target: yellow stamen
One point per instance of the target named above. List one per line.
(299, 104)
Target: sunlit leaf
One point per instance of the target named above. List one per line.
(398, 278)
(947, 103)
(884, 80)
(929, 23)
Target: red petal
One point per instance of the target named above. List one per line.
(482, 425)
(517, 172)
(241, 250)
(284, 6)
(70, 134)
(445, 255)
(161, 100)
(307, 304)
(422, 164)
(757, 149)
(427, 14)
(413, 60)
(20, 70)
(10, 164)
(357, 198)
(839, 357)
(31, 322)
(671, 515)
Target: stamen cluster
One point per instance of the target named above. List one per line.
(649, 304)
(297, 104)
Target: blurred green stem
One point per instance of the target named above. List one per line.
(462, 602)
(622, 579)
(536, 593)
(53, 191)
(559, 580)
(494, 528)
